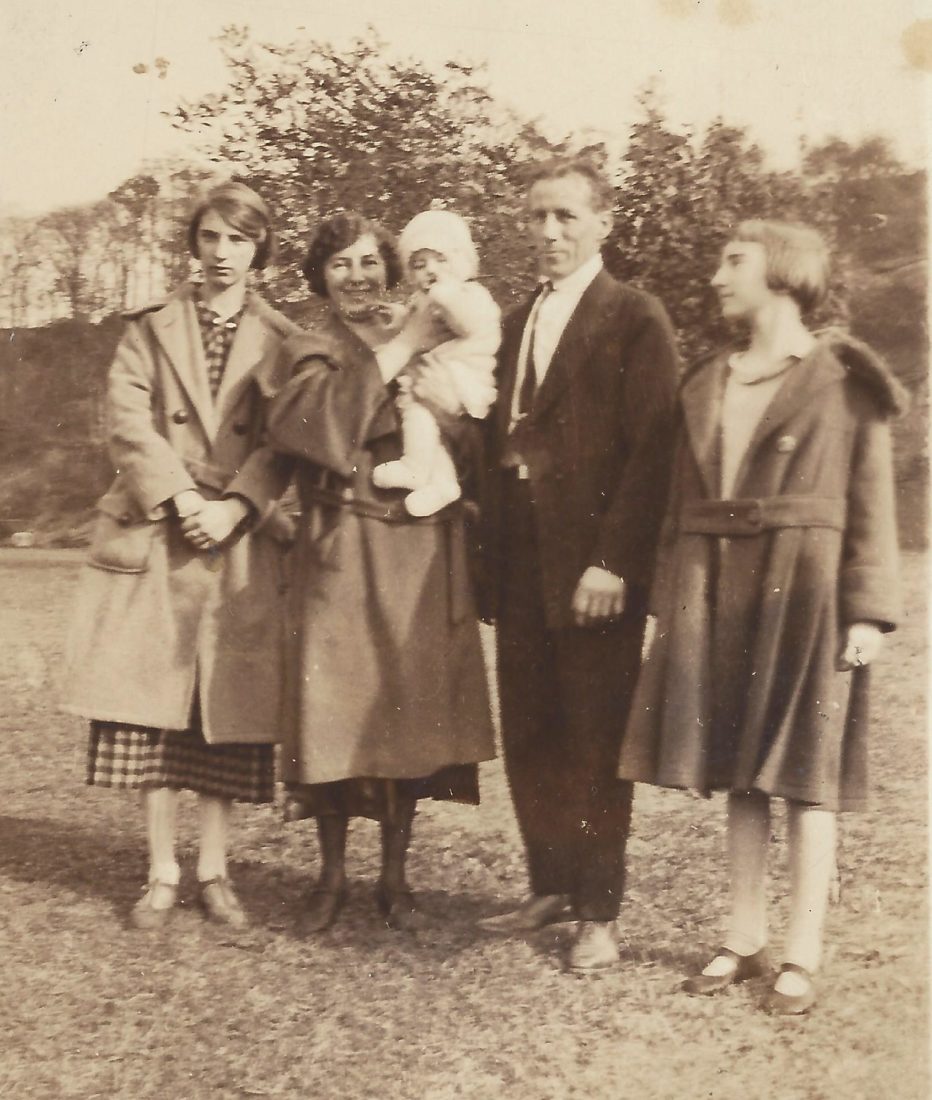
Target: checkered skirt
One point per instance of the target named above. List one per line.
(134, 757)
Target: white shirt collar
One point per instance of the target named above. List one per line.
(578, 280)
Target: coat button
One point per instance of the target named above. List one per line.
(180, 417)
(240, 429)
(786, 443)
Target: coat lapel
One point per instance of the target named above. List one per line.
(177, 332)
(575, 344)
(246, 351)
(701, 401)
(803, 381)
(513, 331)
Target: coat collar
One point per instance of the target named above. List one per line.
(577, 340)
(177, 330)
(574, 346)
(701, 401)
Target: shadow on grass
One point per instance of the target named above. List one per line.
(67, 854)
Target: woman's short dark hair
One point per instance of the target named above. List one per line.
(242, 208)
(796, 256)
(339, 231)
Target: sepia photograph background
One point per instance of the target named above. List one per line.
(113, 118)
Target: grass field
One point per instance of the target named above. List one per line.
(90, 1009)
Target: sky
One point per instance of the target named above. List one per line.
(76, 118)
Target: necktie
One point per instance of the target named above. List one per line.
(529, 382)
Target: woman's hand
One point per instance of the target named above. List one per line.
(187, 503)
(215, 522)
(433, 385)
(861, 645)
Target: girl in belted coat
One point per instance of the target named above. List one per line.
(176, 648)
(775, 586)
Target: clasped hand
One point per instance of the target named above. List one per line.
(208, 523)
(599, 596)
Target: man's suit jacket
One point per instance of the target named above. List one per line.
(597, 445)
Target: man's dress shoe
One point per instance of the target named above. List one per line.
(533, 914)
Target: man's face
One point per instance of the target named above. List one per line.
(565, 228)
(225, 253)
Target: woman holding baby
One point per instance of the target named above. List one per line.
(387, 700)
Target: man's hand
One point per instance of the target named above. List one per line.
(599, 596)
(861, 645)
(215, 522)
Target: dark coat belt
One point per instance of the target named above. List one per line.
(752, 516)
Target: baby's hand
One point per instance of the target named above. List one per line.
(423, 325)
(444, 293)
(391, 316)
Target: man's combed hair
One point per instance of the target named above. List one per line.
(797, 258)
(603, 192)
(338, 232)
(242, 208)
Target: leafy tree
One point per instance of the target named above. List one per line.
(72, 238)
(679, 196)
(321, 129)
(133, 235)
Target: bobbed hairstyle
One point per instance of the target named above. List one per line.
(242, 208)
(600, 186)
(339, 231)
(796, 256)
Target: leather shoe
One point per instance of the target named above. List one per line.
(145, 916)
(399, 909)
(595, 947)
(323, 908)
(535, 913)
(744, 968)
(791, 1004)
(220, 904)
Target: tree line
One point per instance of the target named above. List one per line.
(317, 129)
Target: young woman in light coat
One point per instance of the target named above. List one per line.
(776, 584)
(175, 651)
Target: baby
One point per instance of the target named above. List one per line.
(440, 257)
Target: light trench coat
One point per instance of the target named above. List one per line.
(157, 622)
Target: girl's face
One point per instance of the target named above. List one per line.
(355, 279)
(426, 267)
(225, 253)
(741, 280)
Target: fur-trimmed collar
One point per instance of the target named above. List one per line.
(863, 363)
(857, 358)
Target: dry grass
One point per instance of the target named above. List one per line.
(92, 1010)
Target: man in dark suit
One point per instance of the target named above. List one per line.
(580, 448)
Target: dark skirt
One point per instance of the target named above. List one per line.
(136, 757)
(376, 798)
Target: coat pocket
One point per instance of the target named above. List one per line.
(122, 541)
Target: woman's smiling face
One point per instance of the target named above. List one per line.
(355, 278)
